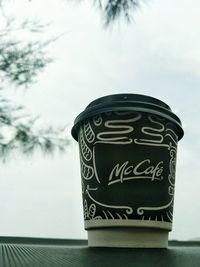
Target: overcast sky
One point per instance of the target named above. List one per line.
(157, 54)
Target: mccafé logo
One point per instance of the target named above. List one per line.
(143, 170)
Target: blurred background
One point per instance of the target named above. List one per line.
(57, 56)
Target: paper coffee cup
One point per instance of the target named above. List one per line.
(128, 147)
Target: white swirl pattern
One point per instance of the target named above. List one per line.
(117, 134)
(129, 210)
(123, 126)
(86, 170)
(89, 133)
(97, 120)
(85, 150)
(154, 133)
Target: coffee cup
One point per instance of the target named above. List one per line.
(128, 148)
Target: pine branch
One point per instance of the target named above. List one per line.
(22, 61)
(20, 64)
(16, 135)
(114, 9)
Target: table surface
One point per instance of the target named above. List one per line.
(36, 252)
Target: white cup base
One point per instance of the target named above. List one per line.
(128, 237)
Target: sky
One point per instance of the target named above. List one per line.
(157, 54)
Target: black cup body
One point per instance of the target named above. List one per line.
(128, 151)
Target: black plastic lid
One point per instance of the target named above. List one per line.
(127, 102)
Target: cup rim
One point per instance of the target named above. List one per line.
(127, 102)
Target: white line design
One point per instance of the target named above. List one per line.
(170, 213)
(118, 215)
(89, 133)
(128, 209)
(83, 187)
(97, 120)
(98, 218)
(128, 141)
(110, 214)
(174, 138)
(170, 219)
(92, 210)
(105, 214)
(171, 190)
(123, 130)
(85, 209)
(119, 131)
(136, 141)
(85, 150)
(172, 169)
(170, 130)
(155, 132)
(89, 213)
(149, 130)
(94, 165)
(171, 138)
(140, 211)
(86, 170)
(125, 216)
(133, 178)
